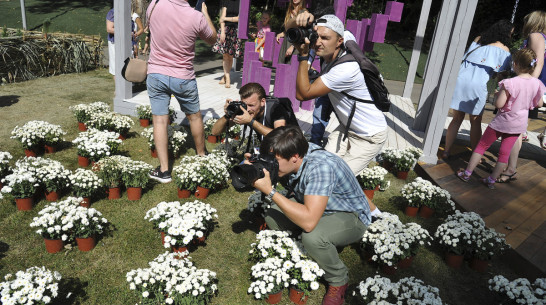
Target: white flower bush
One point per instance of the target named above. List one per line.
(36, 285)
(371, 177)
(234, 131)
(457, 231)
(52, 220)
(520, 291)
(268, 277)
(208, 126)
(36, 133)
(209, 171)
(85, 222)
(486, 243)
(5, 157)
(110, 170)
(96, 144)
(53, 176)
(391, 241)
(422, 192)
(403, 159)
(162, 211)
(111, 121)
(176, 138)
(23, 181)
(84, 182)
(271, 243)
(304, 275)
(135, 173)
(171, 279)
(144, 111)
(83, 112)
(410, 290)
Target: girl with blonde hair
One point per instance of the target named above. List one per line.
(295, 8)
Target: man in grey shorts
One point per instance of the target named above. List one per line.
(330, 210)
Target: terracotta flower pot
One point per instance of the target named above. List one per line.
(24, 204)
(454, 260)
(53, 245)
(402, 175)
(83, 161)
(86, 244)
(30, 153)
(260, 223)
(199, 240)
(425, 212)
(184, 193)
(274, 298)
(51, 196)
(388, 165)
(134, 193)
(122, 136)
(406, 262)
(411, 211)
(180, 249)
(86, 202)
(144, 122)
(49, 149)
(479, 265)
(369, 193)
(390, 270)
(297, 296)
(114, 193)
(82, 126)
(153, 153)
(202, 193)
(212, 139)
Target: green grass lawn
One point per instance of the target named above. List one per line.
(98, 277)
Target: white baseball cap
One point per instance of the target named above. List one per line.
(331, 22)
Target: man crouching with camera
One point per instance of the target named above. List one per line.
(330, 209)
(262, 114)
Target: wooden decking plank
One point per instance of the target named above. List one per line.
(515, 239)
(529, 246)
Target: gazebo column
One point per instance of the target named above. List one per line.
(122, 44)
(449, 43)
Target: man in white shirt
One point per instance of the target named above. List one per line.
(368, 128)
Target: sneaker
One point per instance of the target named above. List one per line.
(158, 175)
(335, 295)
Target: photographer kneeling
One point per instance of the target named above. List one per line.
(261, 113)
(330, 208)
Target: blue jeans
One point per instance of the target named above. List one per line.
(321, 117)
(160, 88)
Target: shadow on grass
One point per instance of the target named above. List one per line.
(8, 100)
(4, 247)
(248, 221)
(63, 6)
(70, 290)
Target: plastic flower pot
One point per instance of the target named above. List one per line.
(53, 245)
(180, 249)
(212, 139)
(479, 265)
(114, 193)
(24, 204)
(144, 122)
(122, 136)
(411, 211)
(83, 161)
(153, 153)
(406, 262)
(274, 298)
(134, 193)
(390, 270)
(402, 175)
(184, 193)
(369, 193)
(86, 244)
(51, 196)
(30, 153)
(425, 212)
(297, 296)
(82, 126)
(86, 202)
(202, 193)
(454, 260)
(199, 240)
(49, 149)
(162, 238)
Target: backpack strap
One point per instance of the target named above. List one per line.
(353, 109)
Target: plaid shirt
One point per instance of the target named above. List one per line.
(325, 174)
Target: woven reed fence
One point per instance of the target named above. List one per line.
(35, 54)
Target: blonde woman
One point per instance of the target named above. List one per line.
(227, 43)
(295, 8)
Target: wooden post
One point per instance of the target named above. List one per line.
(341, 9)
(378, 28)
(264, 78)
(244, 12)
(123, 46)
(417, 43)
(394, 10)
(449, 43)
(276, 52)
(269, 46)
(246, 77)
(364, 28)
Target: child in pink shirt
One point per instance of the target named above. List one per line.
(516, 96)
(263, 27)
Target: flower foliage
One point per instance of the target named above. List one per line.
(36, 285)
(207, 171)
(52, 175)
(171, 279)
(423, 192)
(403, 159)
(5, 157)
(96, 144)
(84, 182)
(144, 111)
(410, 290)
(176, 138)
(36, 133)
(83, 112)
(134, 173)
(111, 121)
(369, 178)
(391, 240)
(85, 222)
(24, 180)
(52, 222)
(208, 126)
(520, 291)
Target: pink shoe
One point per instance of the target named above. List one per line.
(461, 173)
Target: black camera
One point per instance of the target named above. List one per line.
(298, 35)
(233, 109)
(244, 175)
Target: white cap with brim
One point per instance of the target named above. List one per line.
(331, 22)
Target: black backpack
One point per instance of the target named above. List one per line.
(372, 77)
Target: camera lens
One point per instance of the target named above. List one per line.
(295, 35)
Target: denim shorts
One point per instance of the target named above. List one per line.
(161, 87)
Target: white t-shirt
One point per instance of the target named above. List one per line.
(347, 77)
(134, 18)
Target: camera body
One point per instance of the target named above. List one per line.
(233, 109)
(298, 35)
(244, 175)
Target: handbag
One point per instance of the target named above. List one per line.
(135, 70)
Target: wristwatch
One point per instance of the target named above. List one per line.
(269, 197)
(303, 58)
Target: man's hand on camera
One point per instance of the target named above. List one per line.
(264, 184)
(244, 118)
(303, 49)
(226, 105)
(304, 19)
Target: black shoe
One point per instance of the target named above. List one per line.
(158, 175)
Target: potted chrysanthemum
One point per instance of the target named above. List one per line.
(31, 137)
(134, 175)
(185, 176)
(160, 213)
(36, 285)
(370, 179)
(213, 173)
(53, 177)
(485, 244)
(455, 235)
(53, 136)
(519, 291)
(23, 182)
(5, 169)
(180, 232)
(85, 183)
(269, 278)
(83, 112)
(109, 170)
(304, 276)
(208, 130)
(144, 114)
(86, 225)
(121, 124)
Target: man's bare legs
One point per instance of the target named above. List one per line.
(197, 132)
